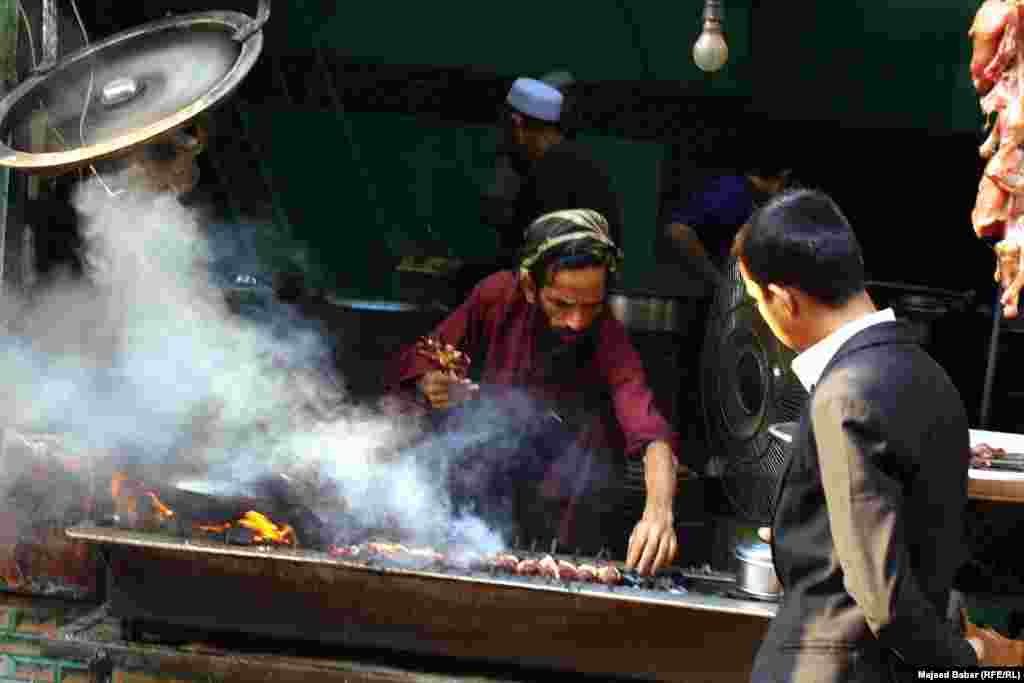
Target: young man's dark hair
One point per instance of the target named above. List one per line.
(801, 239)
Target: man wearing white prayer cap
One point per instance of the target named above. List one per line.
(558, 173)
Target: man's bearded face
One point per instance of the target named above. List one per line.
(572, 300)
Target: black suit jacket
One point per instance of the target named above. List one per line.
(868, 529)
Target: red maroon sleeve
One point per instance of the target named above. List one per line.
(638, 415)
(460, 329)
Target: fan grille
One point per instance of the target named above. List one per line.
(746, 386)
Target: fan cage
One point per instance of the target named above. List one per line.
(747, 385)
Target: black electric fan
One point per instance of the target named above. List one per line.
(746, 387)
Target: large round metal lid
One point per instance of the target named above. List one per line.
(126, 90)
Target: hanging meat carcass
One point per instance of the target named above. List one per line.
(997, 70)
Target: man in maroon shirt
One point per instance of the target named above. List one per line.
(544, 333)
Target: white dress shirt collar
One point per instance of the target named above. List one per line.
(809, 365)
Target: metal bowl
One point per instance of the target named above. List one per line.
(755, 572)
(648, 313)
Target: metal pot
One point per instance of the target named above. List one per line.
(649, 313)
(755, 573)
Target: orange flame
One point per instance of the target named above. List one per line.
(267, 530)
(119, 492)
(158, 504)
(116, 483)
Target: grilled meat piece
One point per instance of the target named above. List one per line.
(386, 548)
(982, 454)
(445, 356)
(987, 32)
(609, 575)
(528, 567)
(567, 571)
(504, 562)
(549, 567)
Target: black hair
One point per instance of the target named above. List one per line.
(768, 169)
(801, 239)
(571, 255)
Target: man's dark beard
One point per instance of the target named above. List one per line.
(561, 352)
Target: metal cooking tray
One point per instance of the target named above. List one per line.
(307, 595)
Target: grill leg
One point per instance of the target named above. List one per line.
(131, 630)
(993, 356)
(101, 668)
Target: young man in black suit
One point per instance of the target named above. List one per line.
(868, 525)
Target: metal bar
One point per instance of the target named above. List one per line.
(57, 667)
(993, 356)
(8, 76)
(5, 193)
(168, 662)
(262, 15)
(50, 34)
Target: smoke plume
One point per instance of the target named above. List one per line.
(147, 367)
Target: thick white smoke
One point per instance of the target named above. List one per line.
(148, 365)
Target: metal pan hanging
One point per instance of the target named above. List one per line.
(127, 90)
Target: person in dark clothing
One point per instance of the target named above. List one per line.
(499, 199)
(556, 174)
(559, 173)
(543, 332)
(704, 228)
(866, 534)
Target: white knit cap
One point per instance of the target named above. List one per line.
(535, 98)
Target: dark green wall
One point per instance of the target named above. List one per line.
(893, 64)
(900, 63)
(385, 177)
(604, 40)
(369, 188)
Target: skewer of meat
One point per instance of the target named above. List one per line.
(528, 567)
(426, 554)
(345, 551)
(997, 70)
(505, 562)
(609, 575)
(391, 549)
(982, 454)
(548, 567)
(567, 571)
(444, 356)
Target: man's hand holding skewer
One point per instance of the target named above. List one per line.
(444, 389)
(447, 386)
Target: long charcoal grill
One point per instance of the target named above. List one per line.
(305, 595)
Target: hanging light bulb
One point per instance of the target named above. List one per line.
(710, 51)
